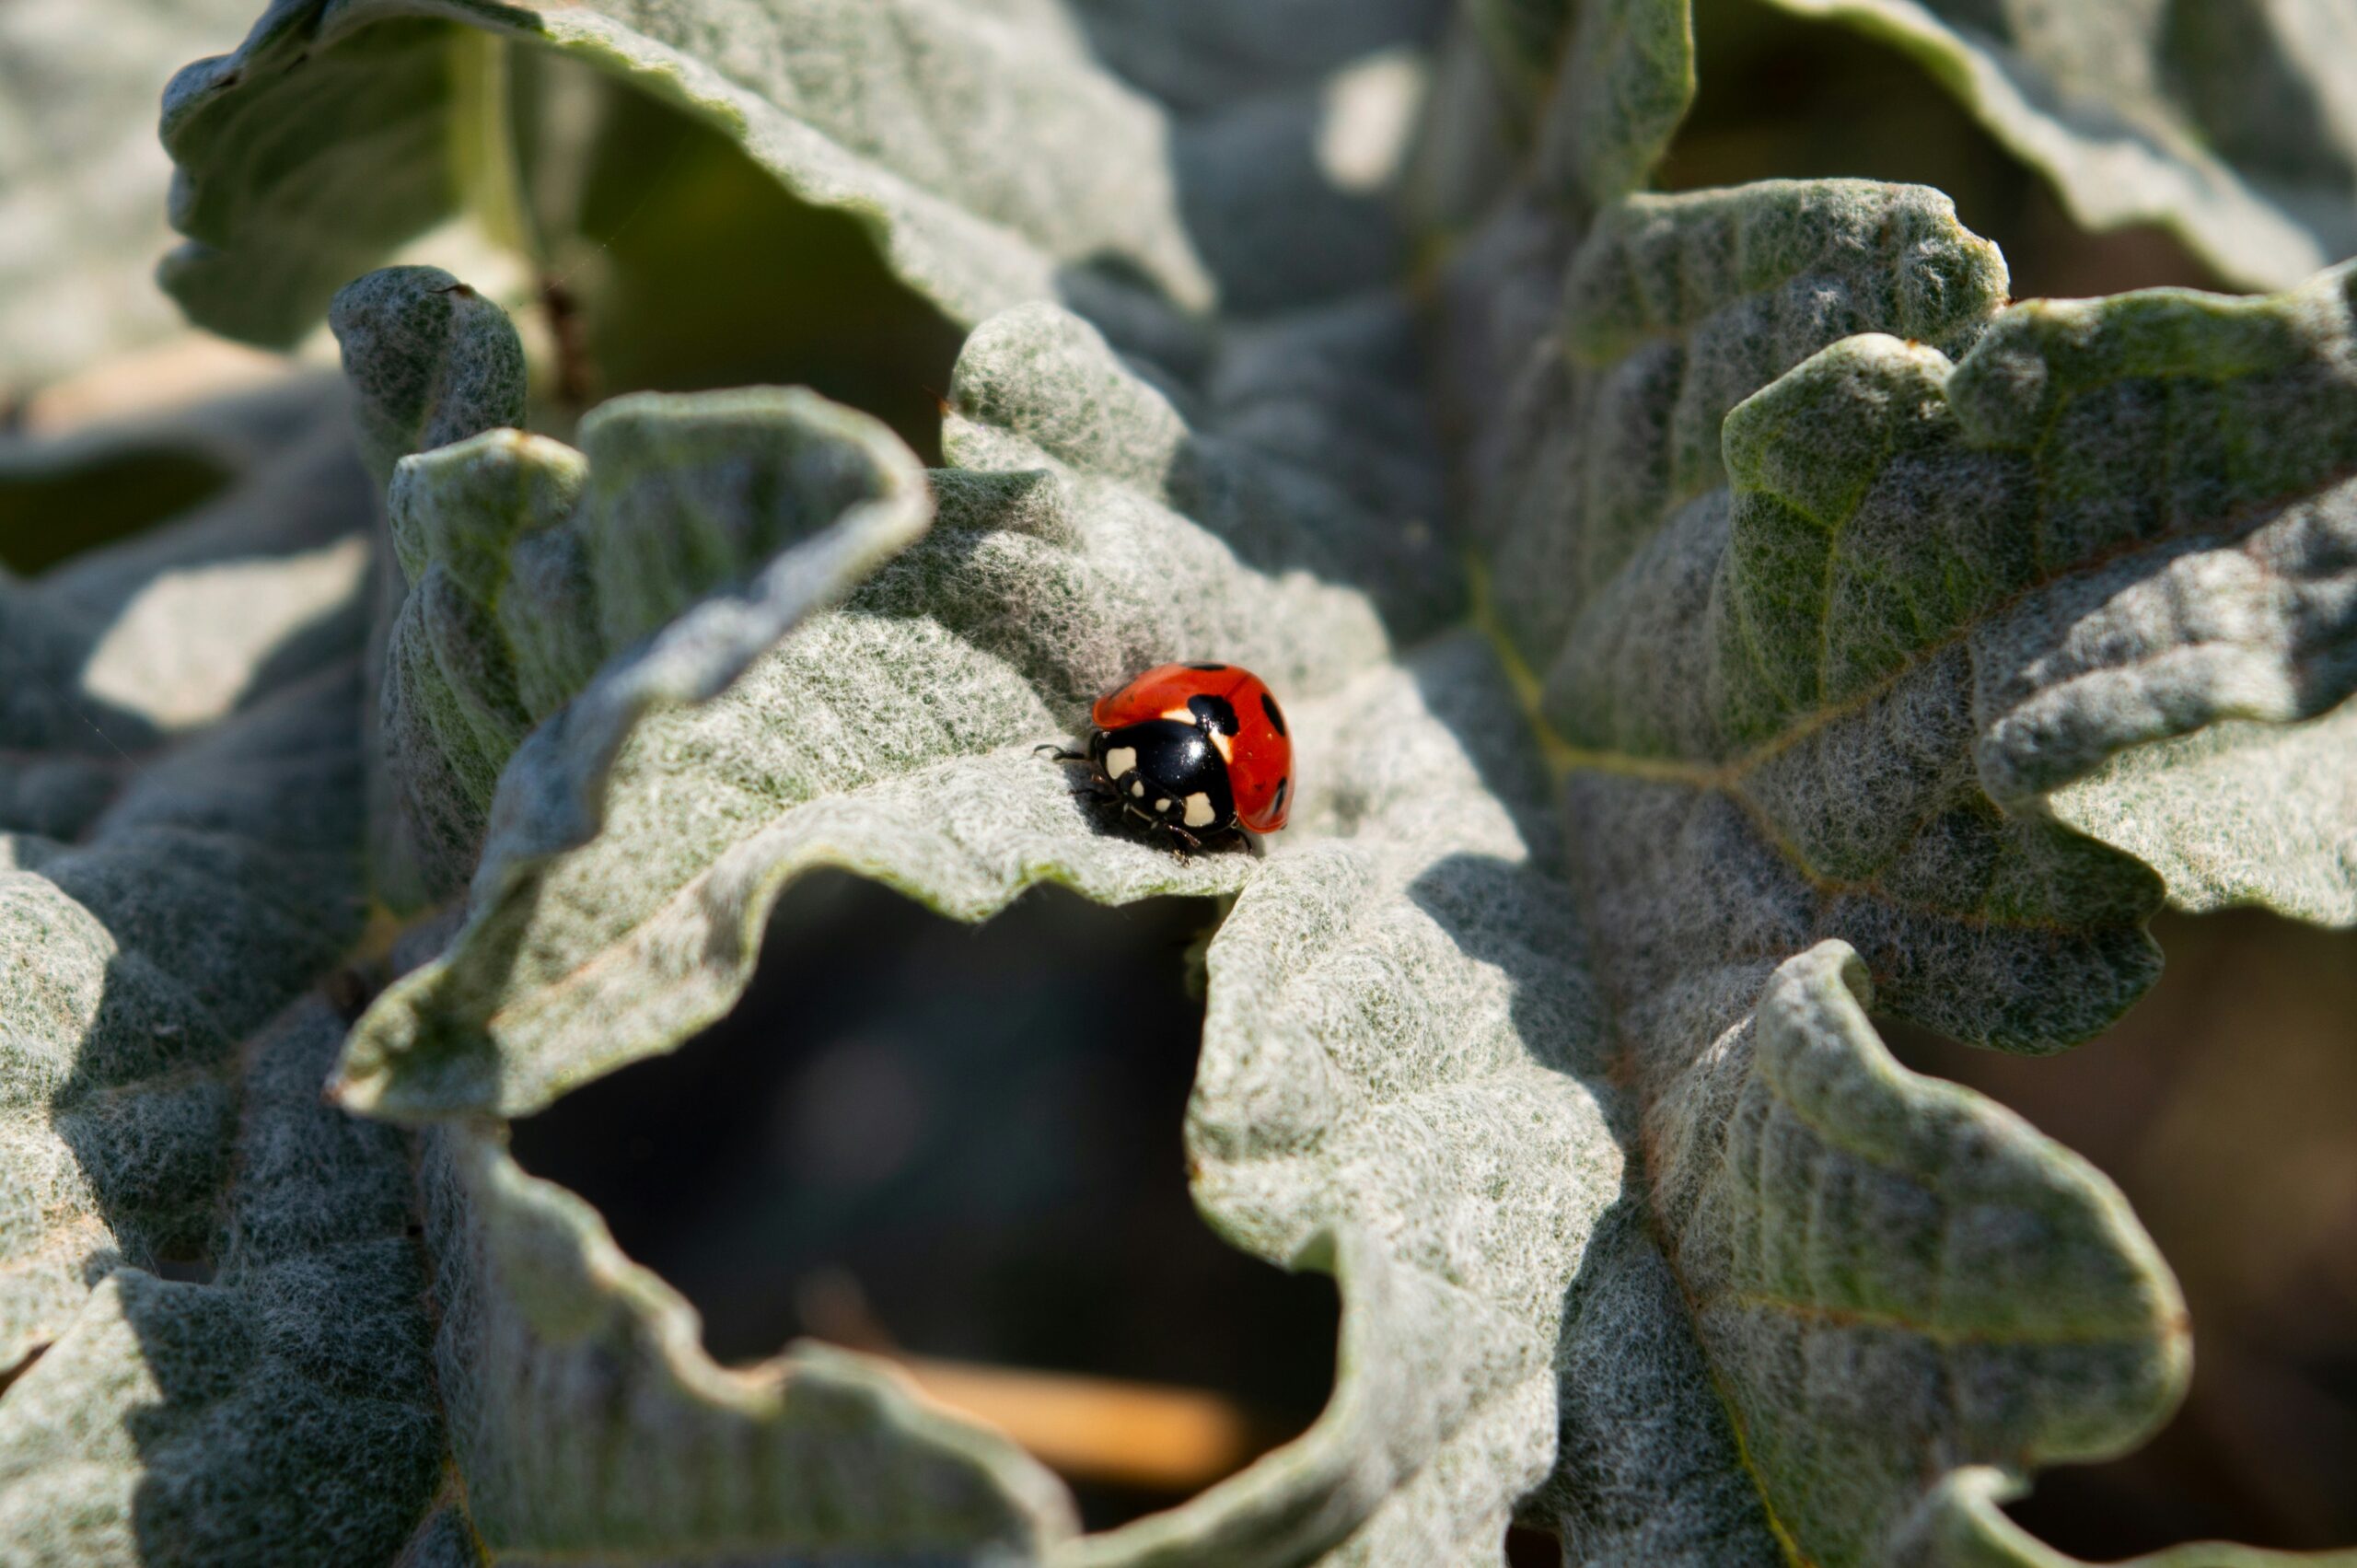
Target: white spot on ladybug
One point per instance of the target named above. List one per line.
(1137, 788)
(1120, 760)
(1199, 810)
(1162, 805)
(1183, 713)
(1226, 745)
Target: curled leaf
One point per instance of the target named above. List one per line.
(2234, 125)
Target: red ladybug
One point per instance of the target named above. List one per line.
(1198, 751)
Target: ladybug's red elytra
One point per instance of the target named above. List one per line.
(1198, 751)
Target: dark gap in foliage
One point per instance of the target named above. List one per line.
(1781, 97)
(2221, 1105)
(673, 261)
(50, 517)
(960, 1143)
(1532, 1548)
(188, 1268)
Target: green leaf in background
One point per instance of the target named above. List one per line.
(878, 111)
(707, 195)
(2231, 122)
(81, 178)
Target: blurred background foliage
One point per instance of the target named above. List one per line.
(963, 1143)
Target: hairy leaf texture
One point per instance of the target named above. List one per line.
(1819, 632)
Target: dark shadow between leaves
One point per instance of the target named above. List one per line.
(1787, 96)
(670, 260)
(1193, 57)
(960, 1143)
(50, 517)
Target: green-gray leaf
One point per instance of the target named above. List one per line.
(1575, 103)
(1987, 1297)
(2234, 124)
(1404, 1075)
(773, 503)
(177, 790)
(180, 859)
(1812, 676)
(281, 1412)
(431, 362)
(1055, 564)
(1890, 601)
(1589, 1121)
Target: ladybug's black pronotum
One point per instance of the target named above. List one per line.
(1198, 750)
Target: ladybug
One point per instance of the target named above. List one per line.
(1198, 751)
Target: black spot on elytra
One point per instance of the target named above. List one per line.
(1218, 713)
(1208, 667)
(1277, 803)
(1269, 707)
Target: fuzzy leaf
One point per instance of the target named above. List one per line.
(1817, 618)
(116, 649)
(2239, 813)
(1404, 1078)
(982, 155)
(431, 362)
(282, 1412)
(180, 859)
(692, 497)
(2232, 123)
(175, 785)
(1638, 1227)
(1050, 570)
(1024, 596)
(1575, 104)
(691, 532)
(1889, 715)
(1986, 1298)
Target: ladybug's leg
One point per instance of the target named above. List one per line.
(1252, 843)
(1099, 786)
(1187, 844)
